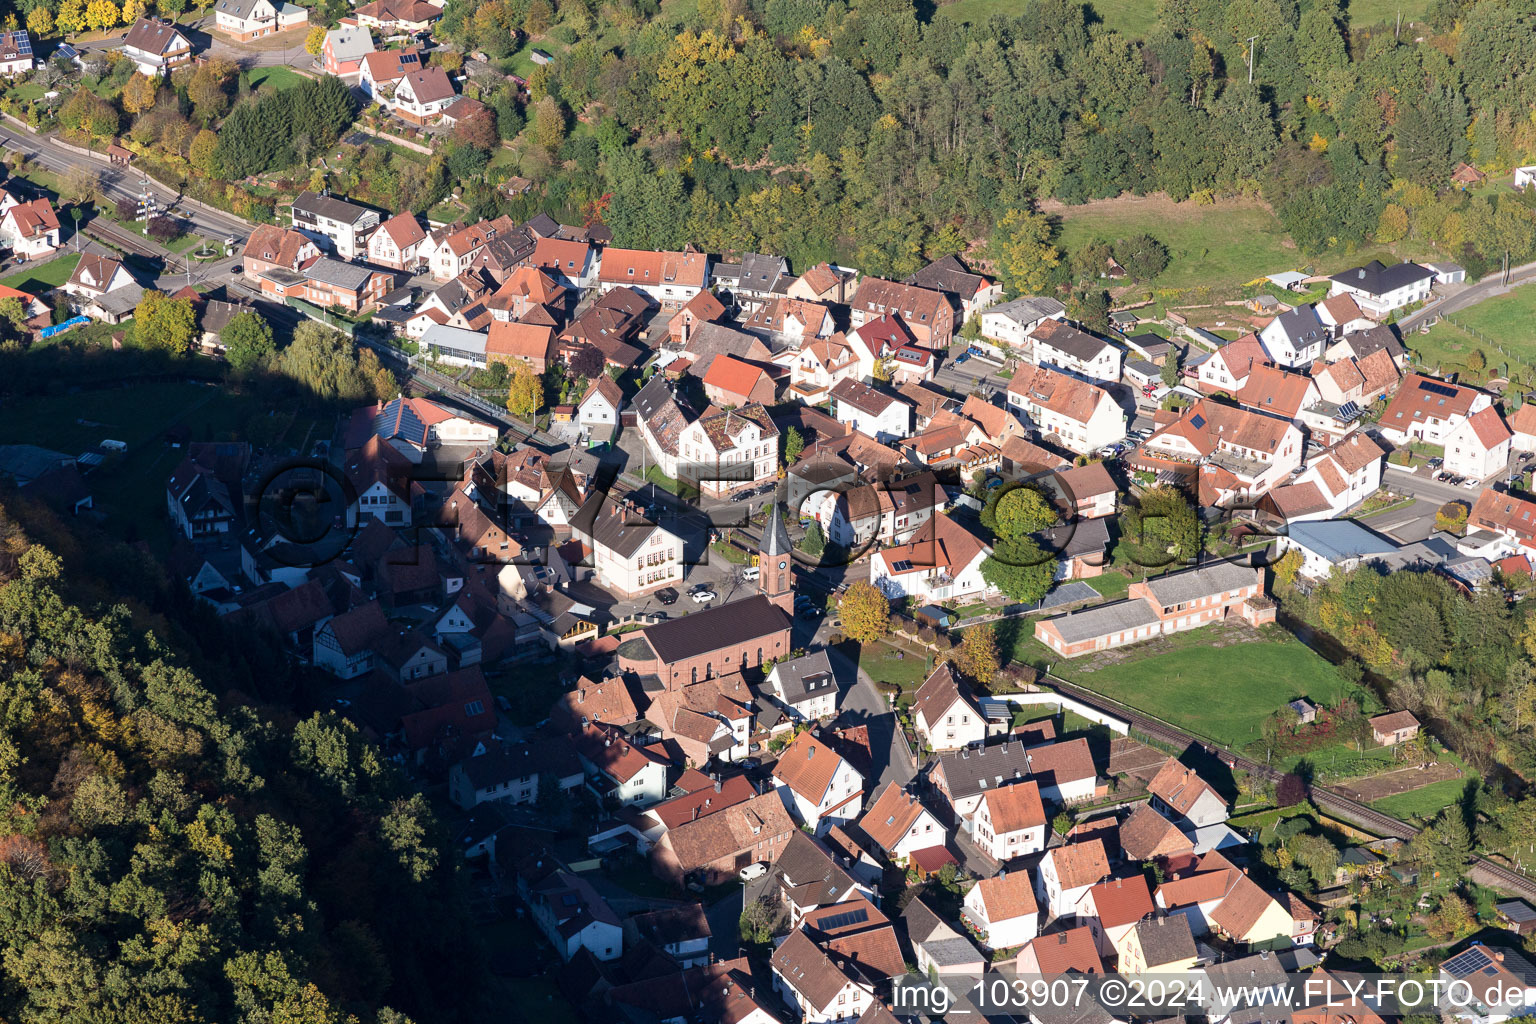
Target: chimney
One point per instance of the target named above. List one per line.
(717, 785)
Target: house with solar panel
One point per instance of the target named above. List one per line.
(415, 426)
(1501, 981)
(1426, 409)
(15, 53)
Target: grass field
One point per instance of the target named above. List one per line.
(1379, 12)
(1212, 691)
(1507, 320)
(887, 665)
(1425, 803)
(1222, 245)
(277, 78)
(1132, 17)
(40, 277)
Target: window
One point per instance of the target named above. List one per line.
(473, 708)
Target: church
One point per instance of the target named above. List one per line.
(736, 637)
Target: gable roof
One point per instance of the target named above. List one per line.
(1273, 390)
(1489, 427)
(733, 376)
(1147, 835)
(1007, 896)
(807, 676)
(1079, 864)
(1165, 939)
(430, 85)
(1121, 901)
(807, 766)
(891, 816)
(1071, 950)
(808, 970)
(729, 831)
(1015, 807)
(388, 65)
(153, 36)
(519, 340)
(1179, 787)
(938, 694)
(1421, 397)
(1074, 399)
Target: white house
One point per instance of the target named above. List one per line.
(598, 410)
(1082, 417)
(422, 96)
(1009, 821)
(729, 451)
(344, 226)
(1327, 544)
(1296, 338)
(1059, 344)
(1502, 982)
(1066, 873)
(631, 553)
(346, 645)
(1003, 910)
(15, 53)
(1112, 909)
(617, 768)
(1426, 409)
(1245, 452)
(1478, 446)
(946, 714)
(1523, 423)
(245, 20)
(1379, 290)
(880, 414)
(95, 275)
(900, 825)
(817, 988)
(503, 774)
(819, 788)
(1009, 325)
(1227, 369)
(816, 368)
(31, 229)
(805, 685)
(156, 47)
(415, 426)
(669, 278)
(941, 562)
(574, 917)
(890, 513)
(397, 242)
(1342, 315)
(1180, 794)
(1332, 482)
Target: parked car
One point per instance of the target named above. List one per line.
(666, 595)
(752, 871)
(703, 596)
(1471, 483)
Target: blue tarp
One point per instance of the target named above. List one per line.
(48, 332)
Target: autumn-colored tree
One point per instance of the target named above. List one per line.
(1392, 225)
(978, 653)
(102, 14)
(40, 22)
(864, 611)
(204, 153)
(133, 10)
(478, 130)
(548, 125)
(139, 93)
(539, 17)
(1288, 566)
(71, 17)
(525, 396)
(315, 41)
(1022, 250)
(207, 89)
(794, 444)
(163, 322)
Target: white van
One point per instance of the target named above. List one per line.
(751, 573)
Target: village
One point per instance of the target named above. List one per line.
(743, 619)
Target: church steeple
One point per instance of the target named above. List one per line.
(775, 577)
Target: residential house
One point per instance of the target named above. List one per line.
(939, 949)
(573, 917)
(156, 47)
(1360, 344)
(941, 562)
(910, 364)
(1506, 516)
(398, 17)
(1009, 822)
(731, 382)
(1332, 482)
(1241, 453)
(818, 988)
(822, 283)
(272, 247)
(1227, 369)
(345, 646)
(631, 553)
(806, 686)
(669, 278)
(30, 229)
(1112, 908)
(380, 479)
(819, 787)
(1147, 836)
(343, 52)
(1393, 728)
(244, 20)
(512, 342)
(703, 308)
(598, 409)
(1522, 422)
(877, 341)
(1162, 944)
(726, 452)
(93, 278)
(900, 825)
(422, 96)
(808, 878)
(1183, 795)
(682, 933)
(713, 846)
(1087, 491)
(945, 712)
(1066, 873)
(1002, 910)
(1071, 950)
(1359, 381)
(1379, 290)
(383, 70)
(1501, 981)
(819, 366)
(967, 292)
(528, 292)
(1079, 415)
(708, 720)
(571, 263)
(1273, 391)
(927, 314)
(1167, 604)
(503, 774)
(326, 282)
(15, 53)
(1011, 323)
(616, 768)
(881, 415)
(753, 280)
(792, 322)
(606, 703)
(345, 226)
(198, 499)
(1426, 409)
(1064, 773)
(1296, 338)
(1058, 344)
(1478, 446)
(1341, 314)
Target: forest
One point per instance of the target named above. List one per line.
(178, 848)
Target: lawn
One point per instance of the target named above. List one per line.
(40, 277)
(1214, 692)
(885, 664)
(1425, 803)
(1362, 13)
(1507, 320)
(1223, 245)
(1111, 585)
(277, 77)
(1130, 17)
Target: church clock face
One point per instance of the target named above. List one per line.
(783, 565)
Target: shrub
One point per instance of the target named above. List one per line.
(926, 634)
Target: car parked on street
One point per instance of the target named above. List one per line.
(666, 595)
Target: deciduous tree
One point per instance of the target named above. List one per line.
(525, 396)
(864, 611)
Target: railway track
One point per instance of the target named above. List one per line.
(1336, 803)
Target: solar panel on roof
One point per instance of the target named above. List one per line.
(1466, 963)
(845, 919)
(23, 43)
(1350, 411)
(1438, 389)
(902, 566)
(1198, 421)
